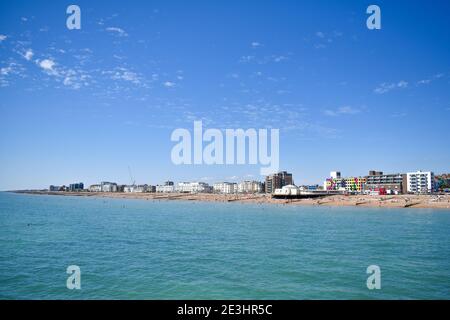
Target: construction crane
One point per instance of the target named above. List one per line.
(133, 182)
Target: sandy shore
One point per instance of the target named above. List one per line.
(388, 201)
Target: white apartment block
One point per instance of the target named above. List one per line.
(420, 182)
(95, 188)
(225, 187)
(165, 189)
(109, 187)
(250, 187)
(193, 187)
(135, 189)
(335, 174)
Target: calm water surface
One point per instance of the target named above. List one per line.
(133, 249)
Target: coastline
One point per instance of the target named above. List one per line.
(385, 201)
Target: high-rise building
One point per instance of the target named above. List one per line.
(420, 182)
(277, 181)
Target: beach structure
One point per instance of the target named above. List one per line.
(289, 190)
(277, 181)
(420, 182)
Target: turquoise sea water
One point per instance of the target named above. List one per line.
(133, 249)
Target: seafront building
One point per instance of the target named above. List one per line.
(420, 182)
(109, 187)
(76, 187)
(95, 188)
(349, 184)
(250, 187)
(335, 174)
(442, 182)
(168, 187)
(394, 183)
(165, 189)
(193, 187)
(288, 190)
(139, 189)
(225, 187)
(277, 181)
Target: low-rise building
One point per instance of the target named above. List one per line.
(250, 187)
(349, 184)
(225, 187)
(420, 182)
(389, 183)
(442, 182)
(54, 188)
(143, 188)
(165, 189)
(109, 187)
(75, 187)
(95, 188)
(289, 190)
(193, 187)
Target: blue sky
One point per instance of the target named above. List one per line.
(84, 105)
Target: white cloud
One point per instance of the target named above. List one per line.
(402, 84)
(255, 44)
(8, 71)
(47, 65)
(3, 37)
(118, 31)
(75, 78)
(279, 58)
(28, 54)
(169, 84)
(125, 75)
(345, 110)
(425, 81)
(386, 87)
(320, 34)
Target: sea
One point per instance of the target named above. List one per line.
(147, 249)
